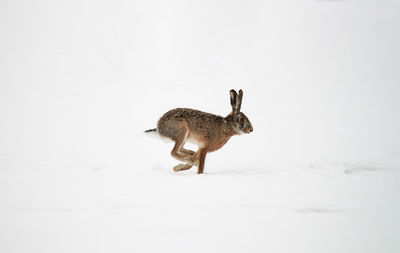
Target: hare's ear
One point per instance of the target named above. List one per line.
(239, 100)
(234, 99)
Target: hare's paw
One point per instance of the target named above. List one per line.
(182, 166)
(192, 159)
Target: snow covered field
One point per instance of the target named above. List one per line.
(81, 80)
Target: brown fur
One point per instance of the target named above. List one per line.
(211, 131)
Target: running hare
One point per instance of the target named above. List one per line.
(210, 132)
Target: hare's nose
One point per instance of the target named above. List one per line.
(251, 130)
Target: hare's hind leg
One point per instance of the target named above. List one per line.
(187, 151)
(182, 154)
(182, 166)
(186, 166)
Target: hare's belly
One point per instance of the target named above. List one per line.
(195, 140)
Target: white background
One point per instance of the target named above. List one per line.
(81, 80)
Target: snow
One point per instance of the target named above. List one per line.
(279, 206)
(81, 80)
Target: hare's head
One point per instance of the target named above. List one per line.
(239, 121)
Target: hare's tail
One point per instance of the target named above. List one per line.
(155, 134)
(152, 133)
(151, 130)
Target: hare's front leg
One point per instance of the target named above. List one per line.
(202, 158)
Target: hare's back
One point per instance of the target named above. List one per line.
(170, 124)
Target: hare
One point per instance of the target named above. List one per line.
(210, 132)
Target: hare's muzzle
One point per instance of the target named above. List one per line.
(248, 130)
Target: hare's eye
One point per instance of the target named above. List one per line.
(241, 120)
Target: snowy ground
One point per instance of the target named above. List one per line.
(81, 80)
(276, 206)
